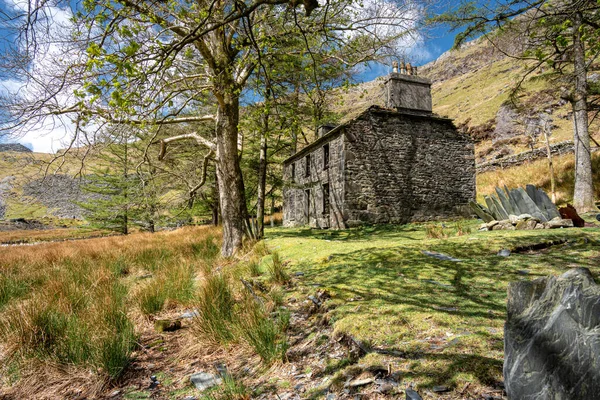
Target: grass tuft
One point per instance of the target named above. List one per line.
(277, 270)
(215, 310)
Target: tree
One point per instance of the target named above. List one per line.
(159, 63)
(561, 34)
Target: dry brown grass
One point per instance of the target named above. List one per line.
(45, 235)
(69, 310)
(537, 173)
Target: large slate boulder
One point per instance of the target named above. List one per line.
(552, 338)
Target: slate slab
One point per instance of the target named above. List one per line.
(205, 380)
(552, 338)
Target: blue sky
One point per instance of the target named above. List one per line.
(429, 46)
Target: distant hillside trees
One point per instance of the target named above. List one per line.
(561, 36)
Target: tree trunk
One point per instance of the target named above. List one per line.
(262, 182)
(583, 196)
(215, 202)
(229, 174)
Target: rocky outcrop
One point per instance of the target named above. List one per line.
(18, 147)
(60, 193)
(552, 338)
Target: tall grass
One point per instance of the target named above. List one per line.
(69, 303)
(174, 284)
(216, 303)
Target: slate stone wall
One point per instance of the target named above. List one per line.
(403, 167)
(296, 211)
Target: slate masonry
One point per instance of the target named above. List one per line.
(395, 164)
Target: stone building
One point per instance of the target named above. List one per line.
(393, 164)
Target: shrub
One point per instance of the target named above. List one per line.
(277, 270)
(175, 284)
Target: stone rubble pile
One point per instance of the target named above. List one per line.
(525, 222)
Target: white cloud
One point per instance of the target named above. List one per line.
(52, 133)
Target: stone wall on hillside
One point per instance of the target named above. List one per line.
(14, 147)
(565, 147)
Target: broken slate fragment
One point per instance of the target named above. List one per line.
(361, 382)
(440, 389)
(412, 395)
(504, 253)
(440, 256)
(204, 380)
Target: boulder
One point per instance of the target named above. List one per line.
(503, 225)
(526, 224)
(205, 380)
(558, 223)
(166, 325)
(513, 219)
(569, 212)
(552, 338)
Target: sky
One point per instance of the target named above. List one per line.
(52, 137)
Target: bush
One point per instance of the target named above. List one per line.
(207, 249)
(230, 389)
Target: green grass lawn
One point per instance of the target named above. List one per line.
(442, 320)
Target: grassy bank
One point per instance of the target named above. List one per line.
(436, 322)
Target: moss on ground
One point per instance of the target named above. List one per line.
(444, 319)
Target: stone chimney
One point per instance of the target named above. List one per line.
(406, 90)
(323, 129)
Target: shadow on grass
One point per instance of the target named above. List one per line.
(377, 287)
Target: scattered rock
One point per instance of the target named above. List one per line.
(166, 325)
(299, 273)
(513, 219)
(412, 395)
(558, 223)
(440, 389)
(361, 382)
(504, 225)
(523, 272)
(189, 314)
(552, 338)
(204, 380)
(504, 253)
(524, 217)
(528, 224)
(569, 212)
(115, 393)
(190, 398)
(440, 256)
(491, 224)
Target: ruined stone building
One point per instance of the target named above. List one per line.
(393, 164)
